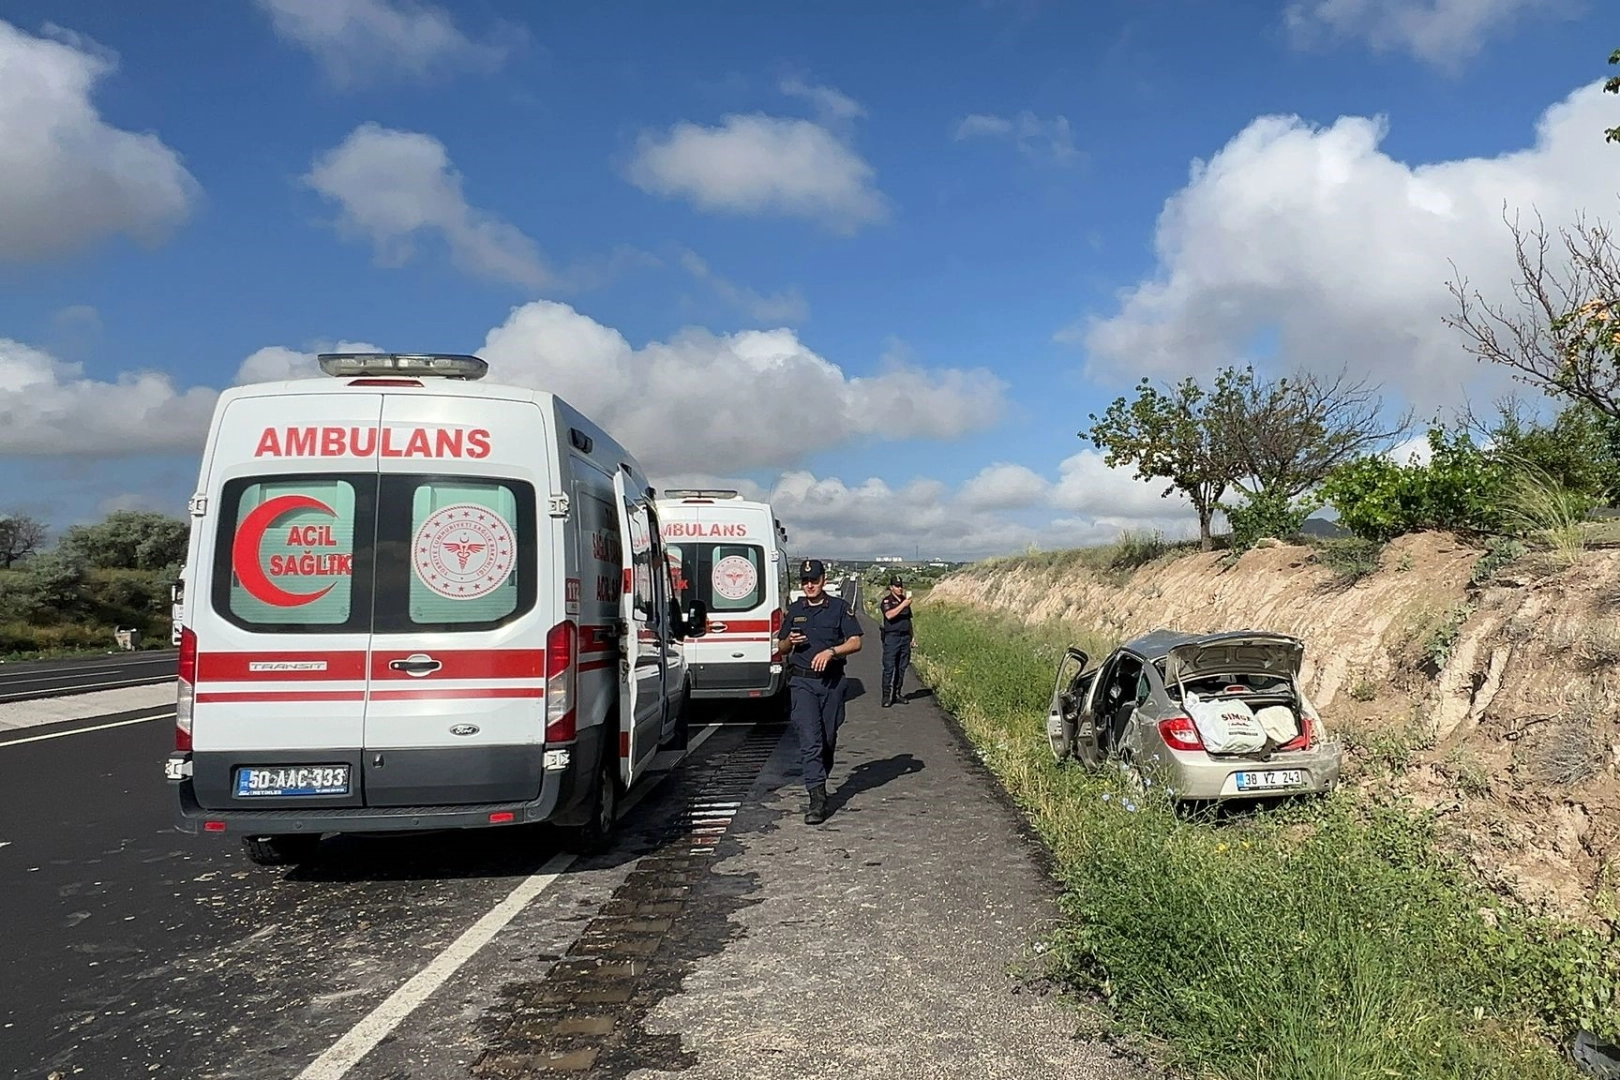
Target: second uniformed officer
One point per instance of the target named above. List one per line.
(817, 634)
(895, 610)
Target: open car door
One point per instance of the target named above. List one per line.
(1069, 725)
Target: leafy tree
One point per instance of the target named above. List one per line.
(1287, 436)
(1171, 435)
(20, 537)
(130, 540)
(51, 585)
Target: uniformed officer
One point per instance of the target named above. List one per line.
(817, 634)
(895, 608)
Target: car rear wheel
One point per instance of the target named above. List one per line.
(284, 850)
(596, 835)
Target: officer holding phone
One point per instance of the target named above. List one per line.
(817, 634)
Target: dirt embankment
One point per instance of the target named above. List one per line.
(1497, 703)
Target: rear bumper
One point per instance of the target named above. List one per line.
(1199, 777)
(561, 790)
(736, 680)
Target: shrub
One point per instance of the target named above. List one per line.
(1350, 560)
(1460, 489)
(1266, 513)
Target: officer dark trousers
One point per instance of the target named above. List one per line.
(818, 713)
(896, 658)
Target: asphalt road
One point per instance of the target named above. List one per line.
(133, 950)
(33, 679)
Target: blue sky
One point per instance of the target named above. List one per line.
(948, 237)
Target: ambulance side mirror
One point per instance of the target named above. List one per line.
(697, 619)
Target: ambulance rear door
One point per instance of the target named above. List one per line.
(468, 570)
(277, 643)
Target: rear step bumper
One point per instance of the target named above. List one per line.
(558, 791)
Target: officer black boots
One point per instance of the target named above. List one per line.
(888, 697)
(818, 805)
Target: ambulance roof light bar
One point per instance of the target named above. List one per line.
(701, 493)
(443, 365)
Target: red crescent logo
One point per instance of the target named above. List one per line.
(245, 552)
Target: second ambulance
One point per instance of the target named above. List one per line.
(727, 554)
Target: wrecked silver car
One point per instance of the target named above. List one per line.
(1211, 717)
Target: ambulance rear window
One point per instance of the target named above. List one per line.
(287, 560)
(726, 577)
(468, 551)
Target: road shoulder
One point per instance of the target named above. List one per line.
(885, 943)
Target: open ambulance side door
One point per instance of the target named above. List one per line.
(641, 683)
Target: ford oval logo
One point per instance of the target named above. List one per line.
(464, 729)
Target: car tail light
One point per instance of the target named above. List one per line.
(186, 695)
(1180, 733)
(776, 624)
(562, 649)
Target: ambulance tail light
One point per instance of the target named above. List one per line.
(776, 624)
(562, 652)
(186, 697)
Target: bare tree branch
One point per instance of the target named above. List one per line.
(1561, 336)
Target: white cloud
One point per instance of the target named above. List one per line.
(277, 363)
(1004, 486)
(1318, 236)
(68, 178)
(750, 399)
(788, 306)
(1089, 487)
(360, 40)
(49, 408)
(1442, 33)
(831, 104)
(1034, 137)
(757, 165)
(393, 186)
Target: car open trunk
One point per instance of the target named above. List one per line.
(1257, 671)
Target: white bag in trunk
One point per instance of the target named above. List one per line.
(1227, 727)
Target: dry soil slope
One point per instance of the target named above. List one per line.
(1506, 697)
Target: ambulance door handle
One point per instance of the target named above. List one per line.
(717, 627)
(417, 665)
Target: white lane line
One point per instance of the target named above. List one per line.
(361, 1039)
(85, 730)
(346, 1053)
(26, 695)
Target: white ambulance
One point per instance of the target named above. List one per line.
(417, 601)
(728, 554)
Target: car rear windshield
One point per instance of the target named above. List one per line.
(726, 577)
(361, 553)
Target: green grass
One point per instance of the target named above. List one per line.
(1327, 941)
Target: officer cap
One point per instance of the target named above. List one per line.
(896, 580)
(812, 570)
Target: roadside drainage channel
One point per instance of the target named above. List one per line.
(585, 1017)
